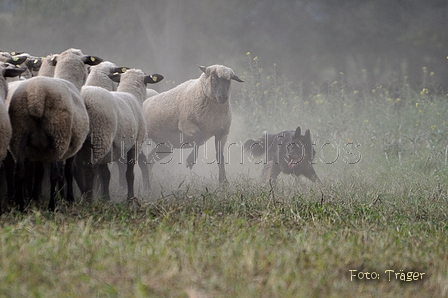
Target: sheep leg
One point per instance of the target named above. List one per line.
(193, 157)
(121, 173)
(104, 173)
(143, 165)
(8, 164)
(130, 172)
(89, 175)
(37, 169)
(220, 141)
(30, 167)
(78, 174)
(55, 180)
(61, 179)
(69, 173)
(19, 175)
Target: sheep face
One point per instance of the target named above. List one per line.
(218, 78)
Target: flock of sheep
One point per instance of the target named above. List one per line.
(78, 113)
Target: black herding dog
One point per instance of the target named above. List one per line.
(287, 152)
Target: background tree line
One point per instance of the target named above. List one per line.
(311, 42)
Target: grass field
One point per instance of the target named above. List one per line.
(380, 212)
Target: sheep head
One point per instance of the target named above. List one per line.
(10, 70)
(34, 63)
(217, 79)
(7, 70)
(16, 60)
(147, 79)
(71, 66)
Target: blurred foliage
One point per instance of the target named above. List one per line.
(310, 41)
(386, 125)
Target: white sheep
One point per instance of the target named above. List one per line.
(100, 112)
(117, 125)
(31, 66)
(7, 63)
(6, 70)
(49, 121)
(142, 161)
(191, 113)
(99, 76)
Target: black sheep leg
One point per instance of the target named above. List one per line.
(104, 173)
(36, 170)
(19, 175)
(69, 173)
(56, 182)
(130, 172)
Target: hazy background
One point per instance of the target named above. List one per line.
(310, 42)
(301, 60)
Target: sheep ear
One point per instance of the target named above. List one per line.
(236, 78)
(120, 69)
(203, 68)
(53, 60)
(298, 132)
(13, 72)
(152, 79)
(92, 60)
(115, 77)
(16, 60)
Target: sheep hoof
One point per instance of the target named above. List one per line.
(190, 162)
(134, 202)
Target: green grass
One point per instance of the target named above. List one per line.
(247, 241)
(192, 238)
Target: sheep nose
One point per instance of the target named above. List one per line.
(222, 99)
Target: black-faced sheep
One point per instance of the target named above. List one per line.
(49, 121)
(117, 126)
(191, 113)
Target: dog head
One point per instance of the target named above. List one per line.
(300, 154)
